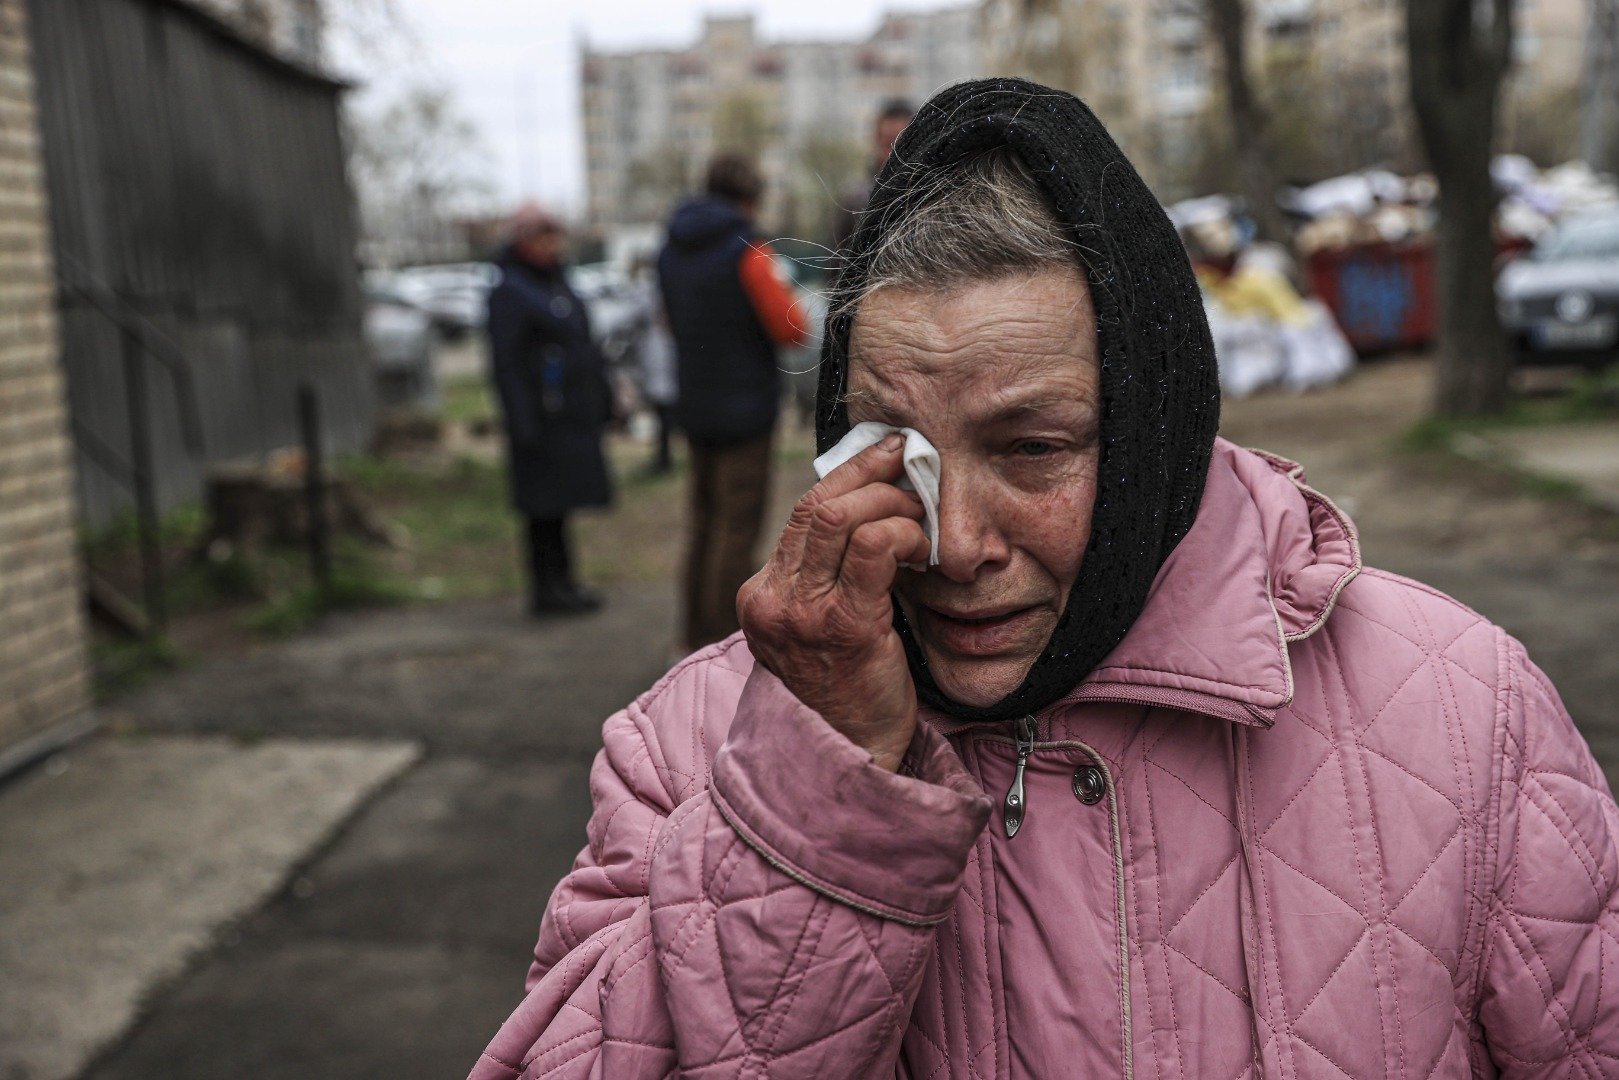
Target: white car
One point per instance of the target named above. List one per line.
(399, 336)
(609, 296)
(456, 295)
(1560, 300)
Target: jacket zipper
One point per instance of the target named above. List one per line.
(1183, 700)
(1252, 957)
(1025, 741)
(1016, 806)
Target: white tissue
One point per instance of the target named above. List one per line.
(921, 469)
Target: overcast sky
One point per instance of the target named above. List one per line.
(512, 66)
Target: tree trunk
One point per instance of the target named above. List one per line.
(1228, 19)
(1459, 52)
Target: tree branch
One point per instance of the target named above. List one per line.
(1500, 37)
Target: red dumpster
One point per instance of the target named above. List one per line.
(1382, 294)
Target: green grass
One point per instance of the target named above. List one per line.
(120, 665)
(1592, 399)
(453, 521)
(194, 578)
(1465, 441)
(183, 526)
(267, 591)
(460, 536)
(356, 582)
(468, 399)
(454, 536)
(1462, 445)
(1550, 488)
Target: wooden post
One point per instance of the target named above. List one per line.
(320, 550)
(144, 483)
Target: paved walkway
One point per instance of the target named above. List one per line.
(123, 856)
(399, 951)
(1586, 455)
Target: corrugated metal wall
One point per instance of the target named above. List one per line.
(204, 183)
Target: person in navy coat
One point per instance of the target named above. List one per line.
(552, 384)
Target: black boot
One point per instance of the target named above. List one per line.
(583, 596)
(552, 590)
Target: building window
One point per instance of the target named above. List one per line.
(1185, 74)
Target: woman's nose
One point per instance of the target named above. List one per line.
(970, 538)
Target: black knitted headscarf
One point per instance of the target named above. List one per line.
(1159, 383)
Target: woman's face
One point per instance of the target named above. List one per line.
(1002, 377)
(544, 246)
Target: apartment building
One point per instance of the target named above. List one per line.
(653, 117)
(1151, 71)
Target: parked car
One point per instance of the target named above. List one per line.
(1560, 300)
(608, 294)
(455, 295)
(594, 280)
(400, 338)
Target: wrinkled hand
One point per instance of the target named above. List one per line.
(819, 615)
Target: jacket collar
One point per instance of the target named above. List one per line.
(1261, 568)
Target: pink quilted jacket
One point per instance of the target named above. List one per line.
(1307, 820)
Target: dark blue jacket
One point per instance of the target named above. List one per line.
(553, 390)
(729, 381)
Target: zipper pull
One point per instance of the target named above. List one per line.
(1016, 806)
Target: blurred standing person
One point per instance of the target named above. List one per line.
(729, 309)
(655, 354)
(552, 385)
(892, 117)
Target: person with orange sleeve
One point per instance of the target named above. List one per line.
(729, 309)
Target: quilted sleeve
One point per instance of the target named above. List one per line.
(774, 923)
(1550, 1005)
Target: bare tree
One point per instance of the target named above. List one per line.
(418, 164)
(821, 171)
(372, 34)
(741, 124)
(655, 180)
(1459, 52)
(1228, 22)
(1074, 45)
(1036, 39)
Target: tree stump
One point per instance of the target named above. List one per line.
(255, 505)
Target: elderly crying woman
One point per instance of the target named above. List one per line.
(1105, 756)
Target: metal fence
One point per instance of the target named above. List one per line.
(202, 219)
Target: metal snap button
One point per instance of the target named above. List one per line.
(1090, 784)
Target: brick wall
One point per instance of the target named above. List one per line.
(43, 673)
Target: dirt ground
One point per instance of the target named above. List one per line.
(1348, 438)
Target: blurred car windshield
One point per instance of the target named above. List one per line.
(1588, 238)
(593, 281)
(383, 294)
